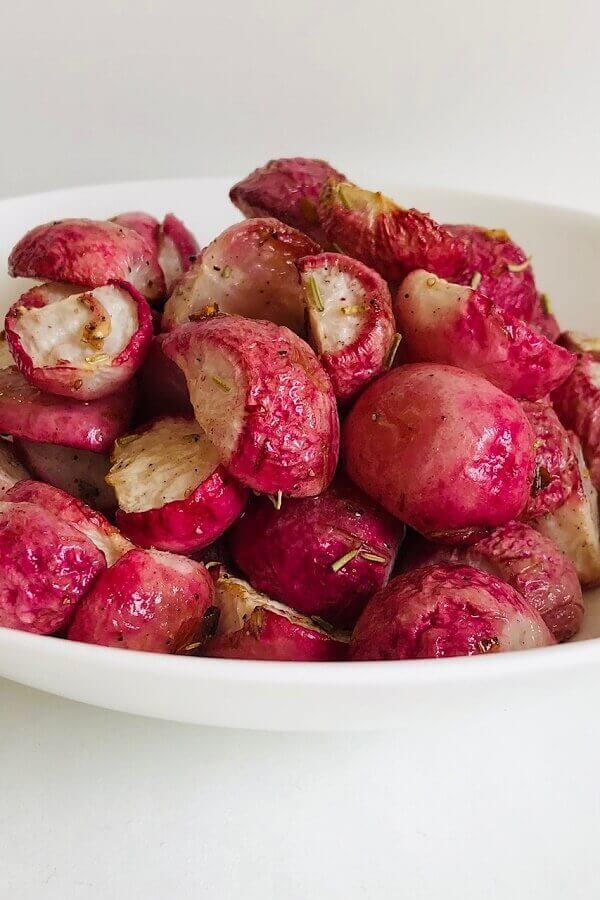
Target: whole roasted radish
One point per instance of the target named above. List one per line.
(446, 610)
(252, 626)
(80, 345)
(442, 449)
(248, 270)
(324, 556)
(350, 320)
(148, 600)
(172, 492)
(577, 402)
(262, 398)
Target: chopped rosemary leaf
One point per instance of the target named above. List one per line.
(519, 267)
(393, 350)
(373, 557)
(315, 294)
(225, 271)
(476, 280)
(354, 310)
(276, 499)
(546, 305)
(222, 384)
(344, 560)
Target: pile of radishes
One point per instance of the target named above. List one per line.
(340, 431)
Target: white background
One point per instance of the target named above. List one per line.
(495, 96)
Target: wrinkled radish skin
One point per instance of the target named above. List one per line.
(287, 189)
(557, 472)
(263, 400)
(80, 473)
(86, 345)
(294, 554)
(171, 490)
(577, 403)
(252, 626)
(89, 254)
(441, 449)
(46, 567)
(248, 270)
(446, 610)
(353, 333)
(148, 601)
(446, 323)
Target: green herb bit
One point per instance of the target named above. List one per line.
(225, 271)
(276, 499)
(519, 267)
(222, 384)
(373, 557)
(316, 297)
(344, 560)
(393, 350)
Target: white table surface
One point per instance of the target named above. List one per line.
(503, 98)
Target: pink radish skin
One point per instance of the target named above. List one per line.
(79, 473)
(556, 465)
(248, 270)
(176, 495)
(291, 554)
(386, 237)
(105, 537)
(288, 190)
(145, 224)
(444, 610)
(148, 600)
(46, 567)
(102, 350)
(89, 254)
(263, 400)
(528, 562)
(445, 323)
(441, 449)
(354, 332)
(252, 626)
(577, 403)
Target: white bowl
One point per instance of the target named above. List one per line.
(319, 696)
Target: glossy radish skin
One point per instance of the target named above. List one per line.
(177, 249)
(350, 320)
(163, 387)
(288, 190)
(388, 238)
(252, 626)
(574, 526)
(46, 567)
(293, 554)
(89, 254)
(577, 403)
(91, 524)
(440, 448)
(80, 473)
(263, 400)
(172, 492)
(528, 562)
(148, 600)
(447, 323)
(445, 610)
(557, 472)
(248, 270)
(11, 469)
(84, 346)
(501, 268)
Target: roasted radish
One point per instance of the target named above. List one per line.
(248, 270)
(387, 237)
(172, 492)
(263, 400)
(252, 626)
(323, 556)
(445, 610)
(84, 346)
(287, 189)
(89, 254)
(163, 387)
(441, 449)
(80, 473)
(177, 249)
(350, 320)
(577, 402)
(11, 470)
(556, 473)
(148, 600)
(447, 323)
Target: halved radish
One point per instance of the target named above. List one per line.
(287, 189)
(85, 345)
(90, 523)
(252, 626)
(447, 323)
(11, 470)
(350, 320)
(89, 254)
(80, 473)
(172, 492)
(142, 222)
(249, 270)
(26, 412)
(148, 600)
(177, 249)
(263, 400)
(387, 237)
(577, 403)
